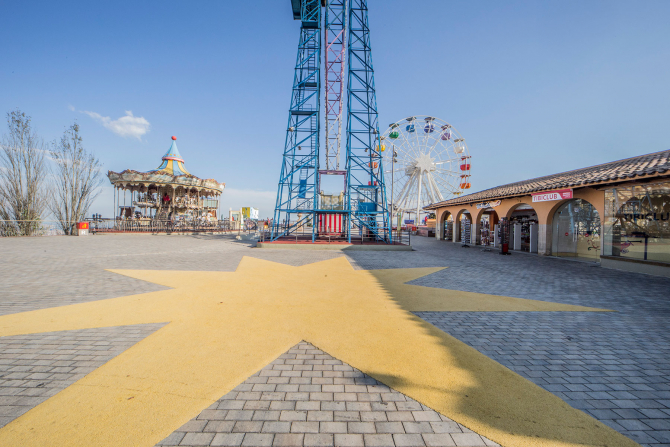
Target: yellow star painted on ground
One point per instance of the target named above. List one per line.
(224, 326)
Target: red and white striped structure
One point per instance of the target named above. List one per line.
(331, 223)
(335, 44)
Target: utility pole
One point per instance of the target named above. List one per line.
(394, 159)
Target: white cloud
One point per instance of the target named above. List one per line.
(126, 126)
(71, 107)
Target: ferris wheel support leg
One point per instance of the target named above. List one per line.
(418, 198)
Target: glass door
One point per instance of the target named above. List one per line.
(576, 229)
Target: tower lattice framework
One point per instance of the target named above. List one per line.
(363, 211)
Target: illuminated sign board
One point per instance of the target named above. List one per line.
(550, 196)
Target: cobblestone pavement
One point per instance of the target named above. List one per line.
(615, 366)
(609, 365)
(612, 365)
(307, 397)
(34, 367)
(42, 272)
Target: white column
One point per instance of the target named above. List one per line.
(474, 229)
(533, 238)
(439, 228)
(517, 237)
(418, 200)
(544, 235)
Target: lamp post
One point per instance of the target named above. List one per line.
(394, 159)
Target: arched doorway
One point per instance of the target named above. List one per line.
(486, 227)
(523, 228)
(447, 230)
(576, 230)
(463, 227)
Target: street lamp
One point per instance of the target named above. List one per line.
(393, 213)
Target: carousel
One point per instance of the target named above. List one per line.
(169, 194)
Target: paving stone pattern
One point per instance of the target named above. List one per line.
(308, 398)
(43, 272)
(608, 365)
(37, 366)
(630, 345)
(614, 366)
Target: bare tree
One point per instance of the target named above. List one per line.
(23, 173)
(76, 180)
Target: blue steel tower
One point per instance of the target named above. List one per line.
(365, 175)
(297, 198)
(363, 210)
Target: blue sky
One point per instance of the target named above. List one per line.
(535, 87)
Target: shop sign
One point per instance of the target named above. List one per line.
(648, 216)
(550, 196)
(488, 204)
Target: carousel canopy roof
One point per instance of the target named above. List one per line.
(173, 163)
(170, 172)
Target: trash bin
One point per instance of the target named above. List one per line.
(82, 228)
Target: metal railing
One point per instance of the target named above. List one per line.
(152, 201)
(158, 226)
(15, 228)
(303, 233)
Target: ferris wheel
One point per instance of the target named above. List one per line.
(427, 161)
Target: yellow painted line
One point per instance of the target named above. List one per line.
(426, 299)
(223, 327)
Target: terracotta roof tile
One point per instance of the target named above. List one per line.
(643, 165)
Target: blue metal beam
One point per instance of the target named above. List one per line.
(297, 191)
(366, 192)
(297, 203)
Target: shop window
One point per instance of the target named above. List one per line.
(637, 222)
(576, 230)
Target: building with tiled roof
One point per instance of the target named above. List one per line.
(615, 213)
(641, 167)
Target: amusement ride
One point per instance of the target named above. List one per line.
(335, 38)
(167, 193)
(427, 160)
